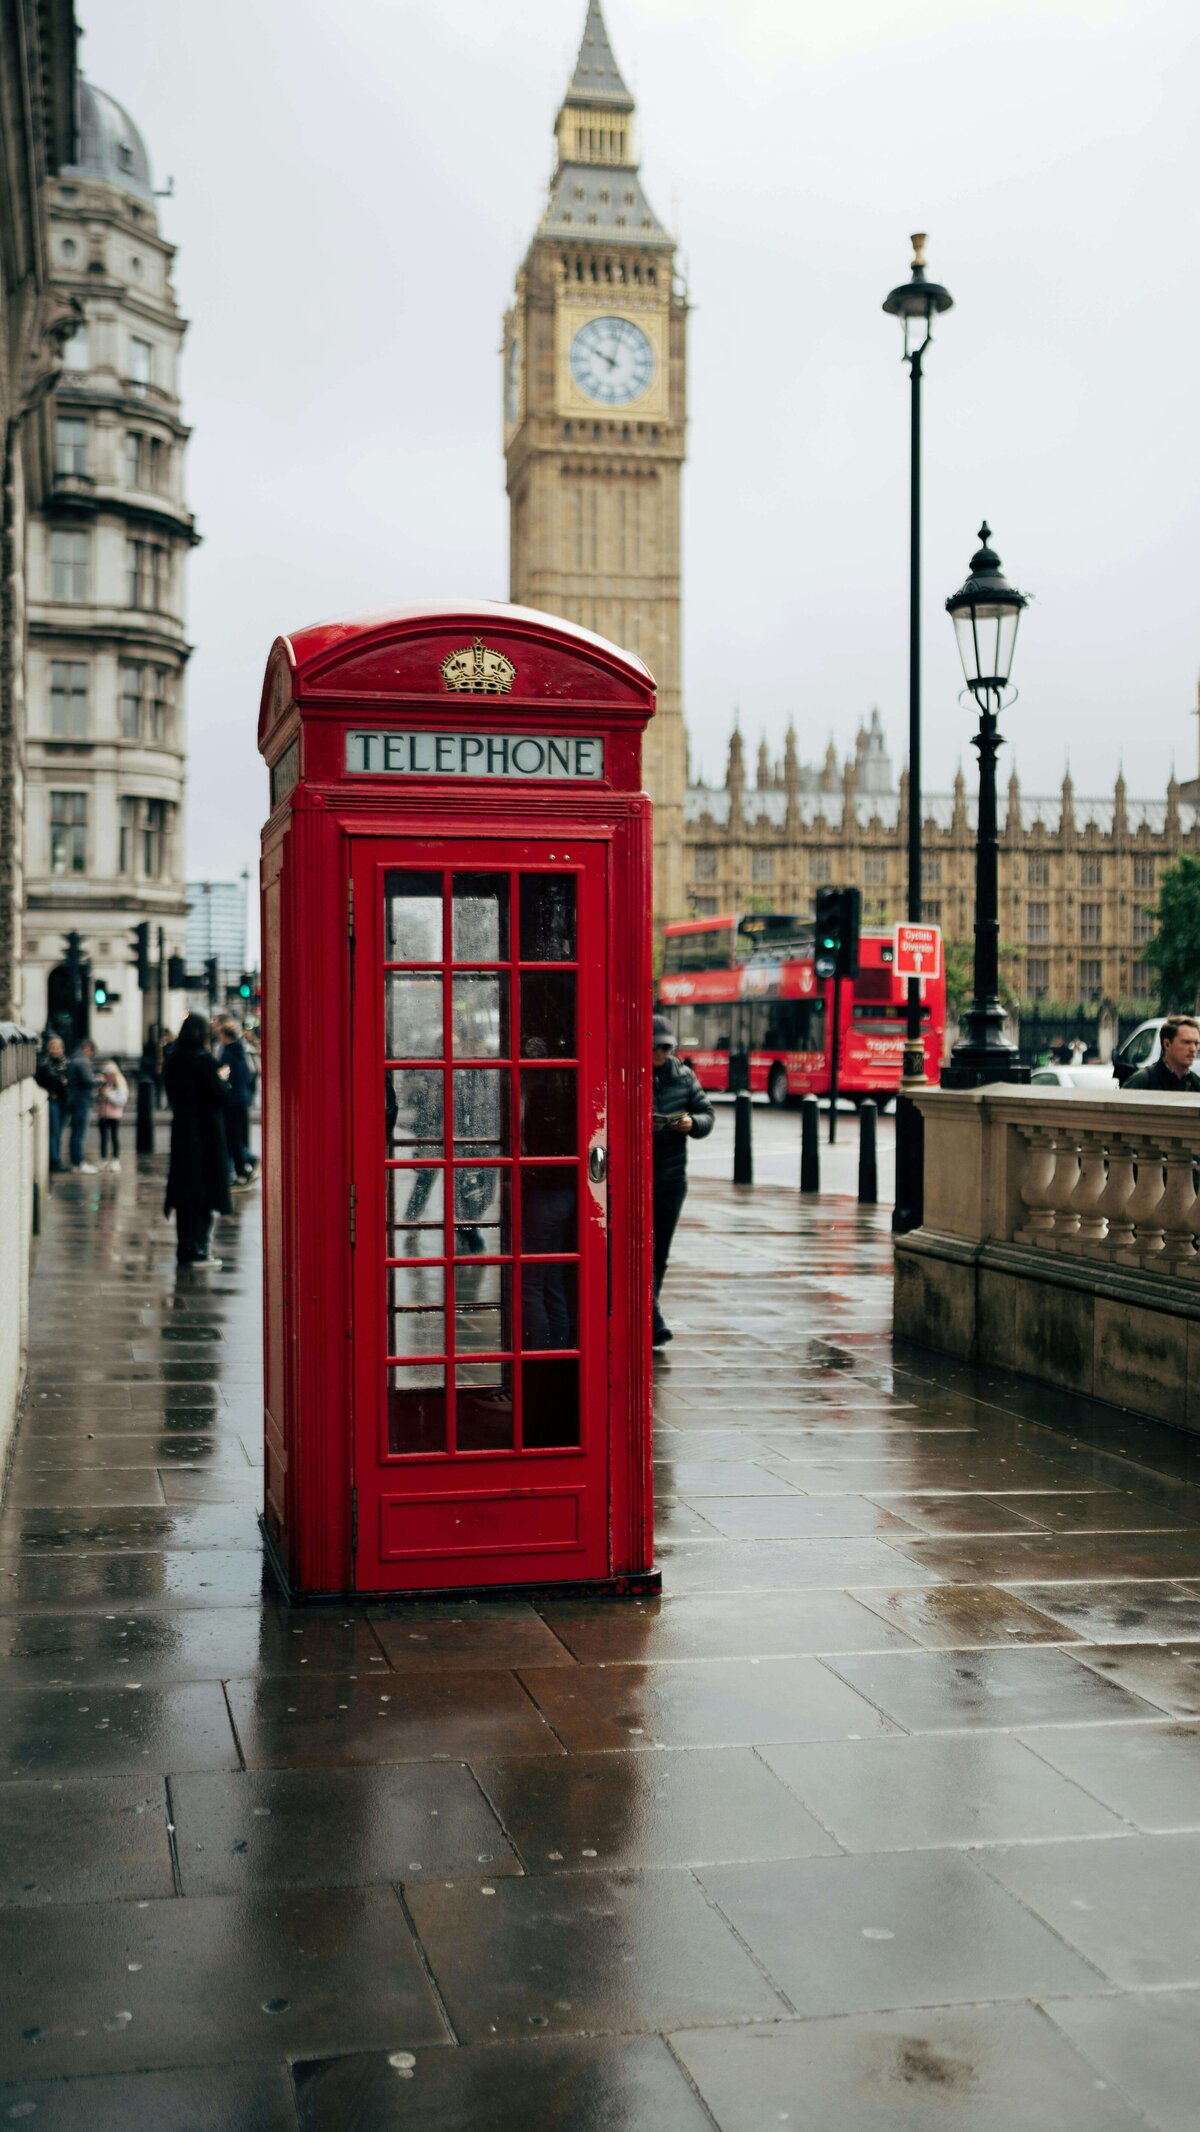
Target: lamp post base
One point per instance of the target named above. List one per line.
(977, 1065)
(909, 1210)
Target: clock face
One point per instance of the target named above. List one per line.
(612, 360)
(512, 382)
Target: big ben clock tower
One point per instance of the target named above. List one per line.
(595, 418)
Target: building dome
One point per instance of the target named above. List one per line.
(110, 145)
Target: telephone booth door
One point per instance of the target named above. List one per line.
(480, 1277)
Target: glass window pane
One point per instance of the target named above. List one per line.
(547, 917)
(412, 1107)
(548, 1111)
(484, 1406)
(548, 1210)
(548, 1014)
(416, 1407)
(549, 1405)
(416, 1214)
(479, 918)
(416, 1295)
(480, 1017)
(482, 1224)
(412, 906)
(549, 1304)
(481, 1110)
(482, 1309)
(413, 1015)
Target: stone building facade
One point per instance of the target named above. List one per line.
(1078, 876)
(595, 408)
(105, 744)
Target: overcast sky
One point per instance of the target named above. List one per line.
(355, 185)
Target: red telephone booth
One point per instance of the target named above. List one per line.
(456, 991)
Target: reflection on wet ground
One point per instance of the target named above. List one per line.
(886, 1813)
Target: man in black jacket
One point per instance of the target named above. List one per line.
(681, 1111)
(1171, 1072)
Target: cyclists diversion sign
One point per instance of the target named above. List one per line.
(918, 951)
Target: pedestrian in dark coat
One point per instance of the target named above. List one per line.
(198, 1176)
(242, 1083)
(1171, 1072)
(681, 1112)
(82, 1083)
(52, 1076)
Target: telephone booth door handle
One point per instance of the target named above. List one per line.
(598, 1165)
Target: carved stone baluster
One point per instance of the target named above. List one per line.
(1143, 1209)
(1115, 1198)
(1035, 1186)
(1062, 1186)
(1176, 1209)
(1086, 1197)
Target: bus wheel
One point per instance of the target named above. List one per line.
(777, 1088)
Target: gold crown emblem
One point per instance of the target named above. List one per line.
(479, 671)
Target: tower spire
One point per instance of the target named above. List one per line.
(597, 78)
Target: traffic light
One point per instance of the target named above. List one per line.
(140, 958)
(176, 973)
(838, 917)
(211, 979)
(101, 996)
(245, 986)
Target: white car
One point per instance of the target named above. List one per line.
(1095, 1077)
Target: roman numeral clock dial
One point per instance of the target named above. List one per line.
(612, 361)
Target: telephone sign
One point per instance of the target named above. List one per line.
(918, 951)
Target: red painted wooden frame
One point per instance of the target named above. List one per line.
(386, 672)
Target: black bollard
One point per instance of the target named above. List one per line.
(868, 1178)
(145, 1115)
(743, 1153)
(810, 1147)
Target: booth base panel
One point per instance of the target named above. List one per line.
(629, 1584)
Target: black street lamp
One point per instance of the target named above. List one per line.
(917, 302)
(985, 612)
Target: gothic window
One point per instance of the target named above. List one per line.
(931, 913)
(1091, 922)
(818, 866)
(70, 444)
(1143, 981)
(1091, 978)
(1037, 924)
(68, 566)
(1143, 925)
(703, 906)
(68, 699)
(1091, 870)
(68, 832)
(762, 866)
(931, 866)
(704, 862)
(1144, 871)
(874, 867)
(1037, 869)
(1037, 977)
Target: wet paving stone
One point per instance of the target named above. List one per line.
(936, 1691)
(243, 2098)
(561, 2084)
(141, 1578)
(64, 1487)
(710, 1703)
(469, 1639)
(700, 1476)
(1166, 1677)
(1149, 1774)
(329, 1828)
(1132, 1908)
(634, 1952)
(128, 1530)
(94, 1839)
(50, 1650)
(596, 1812)
(116, 1453)
(966, 1616)
(963, 1513)
(745, 1517)
(108, 1987)
(937, 1791)
(731, 1625)
(334, 1721)
(784, 1565)
(1147, 2044)
(1159, 1612)
(242, 1485)
(111, 1732)
(915, 1928)
(1068, 1557)
(978, 2069)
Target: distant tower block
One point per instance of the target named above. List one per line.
(595, 419)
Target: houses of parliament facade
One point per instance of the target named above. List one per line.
(595, 412)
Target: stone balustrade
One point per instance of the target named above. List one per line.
(1062, 1238)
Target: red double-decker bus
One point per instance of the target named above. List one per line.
(750, 984)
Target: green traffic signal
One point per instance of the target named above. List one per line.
(100, 995)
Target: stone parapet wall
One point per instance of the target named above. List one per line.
(24, 1157)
